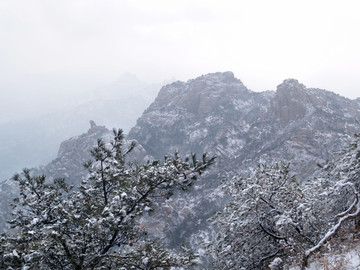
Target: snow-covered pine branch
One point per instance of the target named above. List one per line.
(95, 226)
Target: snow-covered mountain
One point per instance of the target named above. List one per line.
(216, 113)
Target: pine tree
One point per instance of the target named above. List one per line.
(95, 225)
(272, 220)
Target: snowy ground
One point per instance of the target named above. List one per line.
(345, 261)
(349, 260)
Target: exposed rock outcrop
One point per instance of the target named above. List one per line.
(216, 113)
(74, 152)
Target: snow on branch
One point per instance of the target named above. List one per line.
(347, 214)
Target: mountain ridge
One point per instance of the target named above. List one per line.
(217, 105)
(216, 113)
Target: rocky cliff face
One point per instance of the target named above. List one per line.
(8, 191)
(74, 152)
(203, 114)
(216, 113)
(308, 126)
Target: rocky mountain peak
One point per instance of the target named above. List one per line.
(88, 138)
(181, 107)
(200, 95)
(225, 77)
(74, 152)
(292, 89)
(291, 101)
(290, 85)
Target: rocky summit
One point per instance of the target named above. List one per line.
(75, 152)
(216, 113)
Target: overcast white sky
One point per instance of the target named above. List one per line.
(50, 45)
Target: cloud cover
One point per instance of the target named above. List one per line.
(70, 45)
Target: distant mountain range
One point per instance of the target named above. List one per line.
(35, 140)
